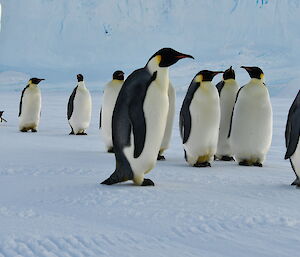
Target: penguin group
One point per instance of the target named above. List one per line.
(223, 122)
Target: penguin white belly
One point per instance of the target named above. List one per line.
(109, 100)
(295, 158)
(82, 109)
(169, 126)
(205, 115)
(227, 100)
(251, 133)
(31, 108)
(156, 105)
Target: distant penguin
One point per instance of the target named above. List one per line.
(228, 89)
(30, 106)
(292, 133)
(200, 120)
(169, 126)
(79, 108)
(139, 118)
(110, 95)
(251, 122)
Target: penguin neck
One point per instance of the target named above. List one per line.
(81, 84)
(162, 76)
(33, 86)
(257, 81)
(230, 81)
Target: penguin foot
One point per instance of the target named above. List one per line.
(23, 130)
(160, 157)
(81, 134)
(227, 158)
(244, 163)
(257, 164)
(202, 164)
(147, 182)
(296, 182)
(111, 150)
(33, 130)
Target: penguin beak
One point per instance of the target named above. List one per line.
(217, 72)
(181, 56)
(246, 68)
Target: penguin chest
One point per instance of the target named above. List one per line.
(109, 100)
(205, 120)
(252, 120)
(155, 107)
(82, 108)
(227, 100)
(31, 106)
(295, 158)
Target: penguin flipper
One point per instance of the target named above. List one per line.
(230, 127)
(185, 124)
(100, 120)
(21, 100)
(71, 103)
(220, 86)
(293, 134)
(138, 121)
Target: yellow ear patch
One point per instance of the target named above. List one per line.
(29, 82)
(262, 76)
(158, 59)
(199, 78)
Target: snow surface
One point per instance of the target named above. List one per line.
(51, 202)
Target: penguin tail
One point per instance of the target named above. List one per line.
(108, 182)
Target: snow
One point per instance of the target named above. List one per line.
(51, 202)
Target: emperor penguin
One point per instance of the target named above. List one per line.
(292, 133)
(110, 95)
(169, 126)
(79, 108)
(227, 89)
(200, 120)
(250, 130)
(140, 117)
(30, 106)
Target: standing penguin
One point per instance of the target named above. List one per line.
(30, 106)
(200, 119)
(139, 118)
(110, 95)
(228, 89)
(79, 108)
(292, 133)
(169, 126)
(251, 122)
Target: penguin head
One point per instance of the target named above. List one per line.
(254, 72)
(229, 74)
(206, 75)
(34, 81)
(79, 77)
(167, 56)
(118, 75)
